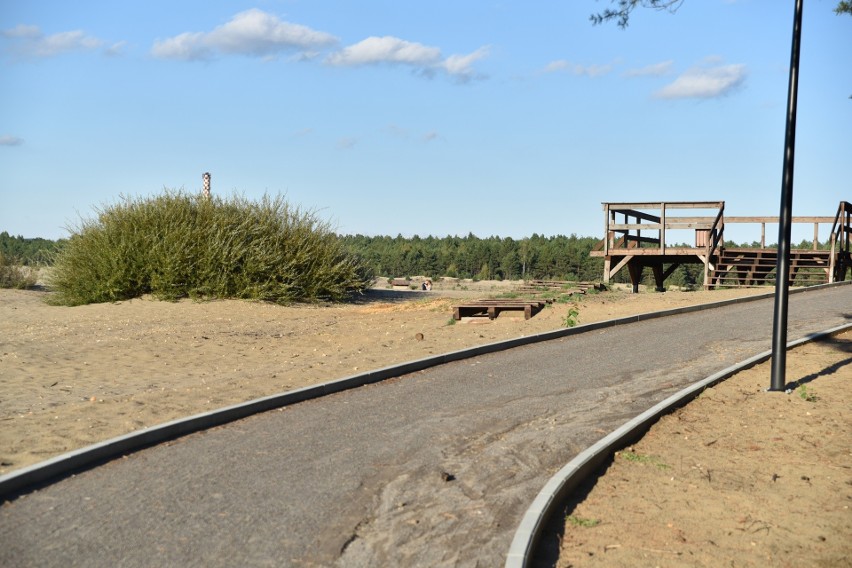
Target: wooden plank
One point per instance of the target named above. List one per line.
(774, 220)
(679, 225)
(633, 226)
(631, 240)
(507, 304)
(672, 251)
(565, 286)
(638, 214)
(669, 205)
(492, 308)
(676, 224)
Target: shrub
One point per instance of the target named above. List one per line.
(177, 245)
(14, 275)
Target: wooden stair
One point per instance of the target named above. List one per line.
(741, 268)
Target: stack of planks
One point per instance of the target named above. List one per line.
(492, 308)
(566, 287)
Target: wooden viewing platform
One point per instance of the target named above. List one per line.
(625, 245)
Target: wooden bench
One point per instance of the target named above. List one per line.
(492, 308)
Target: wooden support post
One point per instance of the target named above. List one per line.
(763, 235)
(816, 235)
(624, 260)
(662, 231)
(832, 259)
(706, 261)
(634, 267)
(657, 268)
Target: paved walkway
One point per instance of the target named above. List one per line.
(431, 469)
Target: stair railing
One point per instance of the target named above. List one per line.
(841, 237)
(716, 234)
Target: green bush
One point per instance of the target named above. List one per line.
(176, 245)
(14, 275)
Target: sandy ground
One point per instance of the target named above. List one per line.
(738, 477)
(70, 377)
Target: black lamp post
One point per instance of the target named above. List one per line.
(782, 271)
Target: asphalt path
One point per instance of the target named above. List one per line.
(435, 468)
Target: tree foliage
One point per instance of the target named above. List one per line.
(537, 257)
(622, 13)
(28, 252)
(557, 257)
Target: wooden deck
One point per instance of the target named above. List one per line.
(492, 308)
(641, 240)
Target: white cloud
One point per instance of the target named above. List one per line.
(188, 46)
(7, 140)
(459, 66)
(703, 82)
(30, 41)
(561, 65)
(346, 143)
(259, 34)
(395, 51)
(386, 49)
(654, 70)
(251, 33)
(115, 49)
(22, 31)
(68, 41)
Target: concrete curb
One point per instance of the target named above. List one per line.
(43, 472)
(557, 489)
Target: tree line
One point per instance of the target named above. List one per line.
(537, 257)
(557, 257)
(28, 251)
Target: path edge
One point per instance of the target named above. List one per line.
(21, 481)
(587, 462)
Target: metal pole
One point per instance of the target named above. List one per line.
(205, 177)
(782, 271)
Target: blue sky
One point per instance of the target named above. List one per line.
(497, 117)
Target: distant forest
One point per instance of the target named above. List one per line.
(494, 258)
(28, 252)
(537, 257)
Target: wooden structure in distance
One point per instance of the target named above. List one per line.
(642, 240)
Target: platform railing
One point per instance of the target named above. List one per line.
(628, 234)
(715, 240)
(841, 238)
